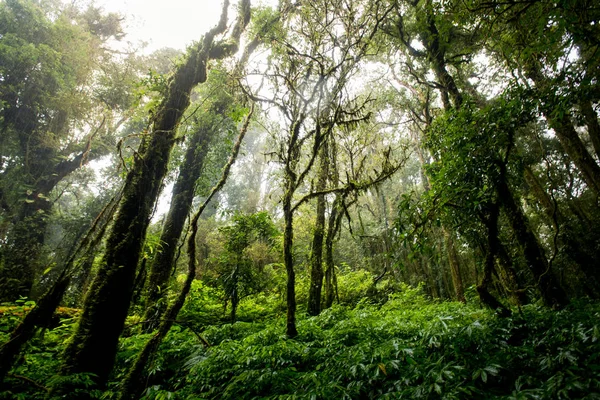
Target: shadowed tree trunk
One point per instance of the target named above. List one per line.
(491, 250)
(333, 226)
(22, 252)
(552, 294)
(93, 346)
(316, 257)
(591, 120)
(454, 266)
(582, 260)
(574, 147)
(288, 259)
(181, 204)
(509, 277)
(45, 307)
(132, 385)
(26, 239)
(568, 137)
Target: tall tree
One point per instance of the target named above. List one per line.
(309, 69)
(316, 254)
(59, 99)
(93, 345)
(219, 114)
(132, 385)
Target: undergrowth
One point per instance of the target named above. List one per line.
(409, 347)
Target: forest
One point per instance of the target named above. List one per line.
(325, 199)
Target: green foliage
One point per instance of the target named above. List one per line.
(203, 306)
(241, 267)
(409, 348)
(472, 147)
(470, 144)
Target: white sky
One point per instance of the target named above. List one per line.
(172, 23)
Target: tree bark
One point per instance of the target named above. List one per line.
(132, 385)
(509, 276)
(574, 147)
(93, 346)
(552, 294)
(288, 259)
(24, 246)
(488, 268)
(560, 121)
(181, 204)
(437, 58)
(23, 249)
(591, 120)
(316, 257)
(573, 249)
(45, 307)
(457, 282)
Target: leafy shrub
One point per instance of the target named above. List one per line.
(409, 348)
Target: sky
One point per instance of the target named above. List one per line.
(172, 23)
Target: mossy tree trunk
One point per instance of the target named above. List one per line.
(457, 281)
(491, 251)
(333, 226)
(181, 204)
(22, 251)
(508, 276)
(42, 312)
(561, 122)
(551, 291)
(288, 259)
(93, 346)
(566, 230)
(316, 257)
(132, 385)
(24, 244)
(591, 120)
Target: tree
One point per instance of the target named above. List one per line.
(133, 384)
(240, 276)
(219, 115)
(62, 95)
(482, 184)
(93, 345)
(565, 83)
(309, 87)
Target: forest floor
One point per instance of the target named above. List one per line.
(409, 347)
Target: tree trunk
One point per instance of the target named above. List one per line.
(552, 294)
(574, 147)
(316, 257)
(22, 250)
(93, 346)
(509, 276)
(235, 300)
(560, 122)
(488, 268)
(333, 226)
(133, 383)
(454, 267)
(181, 204)
(591, 120)
(38, 316)
(573, 249)
(45, 307)
(288, 259)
